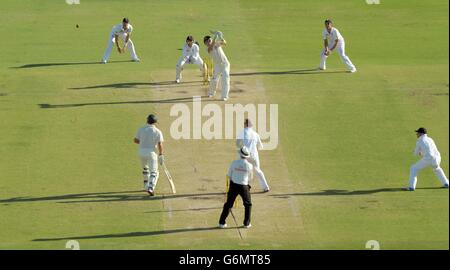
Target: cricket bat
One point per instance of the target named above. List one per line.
(169, 177)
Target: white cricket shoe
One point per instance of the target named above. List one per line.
(224, 99)
(103, 61)
(223, 226)
(177, 80)
(151, 192)
(136, 60)
(319, 68)
(248, 226)
(353, 70)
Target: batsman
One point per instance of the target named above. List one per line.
(150, 139)
(221, 64)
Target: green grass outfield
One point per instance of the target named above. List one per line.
(346, 140)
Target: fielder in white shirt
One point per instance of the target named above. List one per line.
(221, 64)
(334, 41)
(149, 139)
(122, 30)
(190, 55)
(427, 150)
(250, 139)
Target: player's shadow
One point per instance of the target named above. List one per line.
(172, 100)
(132, 234)
(340, 192)
(117, 196)
(287, 72)
(67, 64)
(185, 210)
(137, 85)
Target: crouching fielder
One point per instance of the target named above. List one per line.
(221, 64)
(149, 139)
(334, 41)
(240, 174)
(122, 30)
(191, 55)
(250, 139)
(427, 150)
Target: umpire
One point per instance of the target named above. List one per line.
(240, 173)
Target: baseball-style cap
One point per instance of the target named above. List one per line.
(421, 130)
(151, 119)
(243, 152)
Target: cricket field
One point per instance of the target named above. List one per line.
(69, 169)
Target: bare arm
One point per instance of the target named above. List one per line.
(160, 148)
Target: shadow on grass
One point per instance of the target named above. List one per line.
(340, 192)
(185, 210)
(288, 72)
(128, 85)
(67, 64)
(172, 100)
(119, 196)
(132, 234)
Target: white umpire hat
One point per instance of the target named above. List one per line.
(243, 152)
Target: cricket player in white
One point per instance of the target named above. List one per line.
(250, 139)
(221, 64)
(122, 30)
(149, 139)
(427, 150)
(190, 55)
(333, 40)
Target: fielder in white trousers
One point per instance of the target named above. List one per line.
(123, 31)
(252, 141)
(426, 148)
(340, 49)
(112, 41)
(334, 41)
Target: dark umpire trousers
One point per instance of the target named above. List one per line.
(233, 192)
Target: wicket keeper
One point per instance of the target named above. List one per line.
(191, 55)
